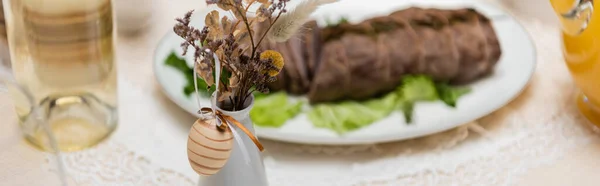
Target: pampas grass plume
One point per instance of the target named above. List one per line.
(289, 23)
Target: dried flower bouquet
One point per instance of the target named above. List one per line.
(235, 44)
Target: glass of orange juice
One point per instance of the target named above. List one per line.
(581, 49)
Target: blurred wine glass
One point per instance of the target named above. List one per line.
(63, 52)
(10, 88)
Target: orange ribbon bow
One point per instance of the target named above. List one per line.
(229, 119)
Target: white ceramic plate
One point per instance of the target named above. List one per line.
(511, 75)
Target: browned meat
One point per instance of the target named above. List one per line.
(493, 48)
(440, 55)
(312, 47)
(294, 79)
(298, 71)
(359, 61)
(301, 59)
(334, 74)
(401, 55)
(366, 64)
(471, 42)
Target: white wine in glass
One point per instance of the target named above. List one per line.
(22, 96)
(63, 52)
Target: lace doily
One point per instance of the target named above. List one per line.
(113, 164)
(535, 129)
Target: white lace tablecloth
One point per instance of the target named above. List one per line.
(538, 134)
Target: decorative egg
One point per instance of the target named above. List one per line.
(209, 146)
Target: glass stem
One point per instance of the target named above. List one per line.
(62, 173)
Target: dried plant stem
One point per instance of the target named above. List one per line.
(249, 93)
(239, 97)
(235, 26)
(245, 20)
(236, 97)
(232, 102)
(242, 95)
(238, 22)
(269, 28)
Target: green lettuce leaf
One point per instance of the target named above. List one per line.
(415, 88)
(351, 115)
(273, 110)
(180, 65)
(418, 88)
(449, 94)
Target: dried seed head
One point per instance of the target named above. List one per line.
(276, 60)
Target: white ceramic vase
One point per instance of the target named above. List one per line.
(236, 171)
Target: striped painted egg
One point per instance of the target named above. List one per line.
(208, 148)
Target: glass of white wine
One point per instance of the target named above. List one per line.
(62, 52)
(23, 97)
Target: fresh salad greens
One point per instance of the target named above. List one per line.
(414, 89)
(351, 115)
(273, 110)
(180, 65)
(450, 95)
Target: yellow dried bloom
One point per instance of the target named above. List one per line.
(276, 59)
